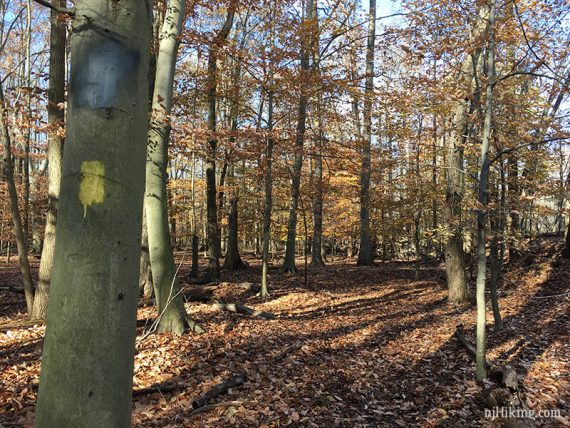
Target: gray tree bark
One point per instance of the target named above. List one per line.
(455, 262)
(169, 300)
(21, 244)
(268, 179)
(87, 364)
(365, 257)
(213, 232)
(483, 199)
(289, 262)
(56, 117)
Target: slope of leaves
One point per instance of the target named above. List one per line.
(355, 347)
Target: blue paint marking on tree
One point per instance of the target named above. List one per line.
(95, 79)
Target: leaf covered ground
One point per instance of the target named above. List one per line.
(355, 347)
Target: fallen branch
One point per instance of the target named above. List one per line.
(219, 389)
(169, 387)
(21, 324)
(508, 393)
(245, 310)
(460, 336)
(203, 293)
(285, 353)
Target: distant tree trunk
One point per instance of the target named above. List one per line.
(495, 266)
(21, 243)
(483, 199)
(268, 179)
(567, 249)
(317, 241)
(213, 235)
(454, 252)
(28, 123)
(169, 301)
(56, 117)
(194, 232)
(87, 363)
(365, 256)
(233, 260)
(145, 274)
(289, 262)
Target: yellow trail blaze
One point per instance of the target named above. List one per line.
(92, 184)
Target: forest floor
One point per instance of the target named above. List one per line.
(356, 347)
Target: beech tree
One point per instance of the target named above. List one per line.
(87, 364)
(212, 208)
(304, 70)
(56, 98)
(365, 256)
(483, 198)
(464, 106)
(170, 304)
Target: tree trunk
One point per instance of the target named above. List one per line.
(567, 249)
(289, 262)
(193, 231)
(365, 257)
(146, 286)
(21, 243)
(454, 252)
(170, 304)
(317, 241)
(268, 179)
(483, 199)
(213, 235)
(233, 260)
(87, 363)
(56, 117)
(28, 124)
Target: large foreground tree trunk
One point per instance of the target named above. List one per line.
(169, 300)
(87, 364)
(365, 257)
(56, 98)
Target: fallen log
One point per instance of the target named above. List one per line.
(286, 352)
(250, 286)
(244, 310)
(460, 336)
(507, 394)
(169, 387)
(220, 389)
(21, 324)
(204, 293)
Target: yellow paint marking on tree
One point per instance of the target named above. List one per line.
(92, 184)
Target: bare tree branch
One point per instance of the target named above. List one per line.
(58, 9)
